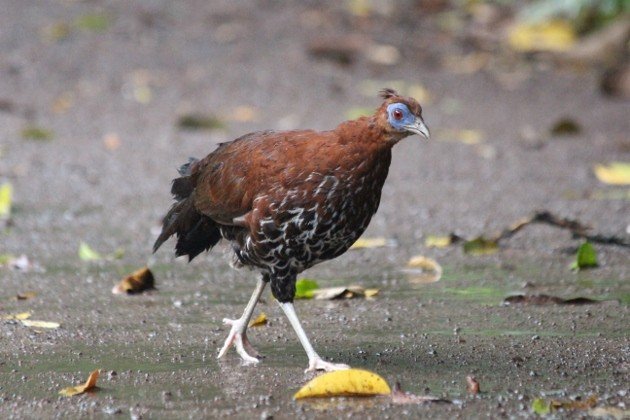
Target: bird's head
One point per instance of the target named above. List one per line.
(400, 116)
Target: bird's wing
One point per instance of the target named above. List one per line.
(228, 180)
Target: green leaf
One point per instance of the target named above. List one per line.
(93, 22)
(541, 407)
(305, 288)
(33, 132)
(586, 257)
(200, 122)
(6, 194)
(481, 246)
(88, 254)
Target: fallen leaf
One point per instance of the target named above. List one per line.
(111, 141)
(243, 114)
(55, 32)
(376, 242)
(421, 269)
(565, 127)
(40, 324)
(401, 397)
(6, 197)
(93, 22)
(543, 299)
(616, 173)
(259, 321)
(348, 383)
(89, 385)
(33, 132)
(343, 292)
(88, 254)
(21, 263)
(481, 246)
(387, 55)
(552, 35)
(472, 385)
(433, 241)
(137, 282)
(340, 49)
(305, 288)
(25, 295)
(586, 257)
(466, 136)
(541, 407)
(609, 413)
(5, 259)
(200, 122)
(62, 103)
(616, 81)
(21, 316)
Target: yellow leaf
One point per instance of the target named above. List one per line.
(553, 35)
(137, 282)
(261, 320)
(421, 269)
(369, 243)
(89, 385)
(86, 253)
(350, 382)
(617, 173)
(433, 241)
(40, 324)
(20, 316)
(243, 114)
(6, 195)
(371, 292)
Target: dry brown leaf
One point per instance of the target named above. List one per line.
(472, 385)
(137, 282)
(259, 321)
(25, 295)
(89, 385)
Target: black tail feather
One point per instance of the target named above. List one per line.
(195, 232)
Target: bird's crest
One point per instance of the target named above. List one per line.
(387, 93)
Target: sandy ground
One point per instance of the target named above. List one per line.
(112, 99)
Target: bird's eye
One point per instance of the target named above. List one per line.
(397, 114)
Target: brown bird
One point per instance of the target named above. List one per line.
(287, 201)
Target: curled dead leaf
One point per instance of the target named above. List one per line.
(137, 282)
(348, 383)
(89, 385)
(472, 385)
(375, 242)
(343, 292)
(421, 269)
(25, 295)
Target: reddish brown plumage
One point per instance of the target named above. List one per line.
(286, 200)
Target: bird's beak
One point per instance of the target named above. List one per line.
(419, 127)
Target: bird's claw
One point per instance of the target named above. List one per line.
(318, 363)
(238, 338)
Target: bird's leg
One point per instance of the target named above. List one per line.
(314, 361)
(238, 336)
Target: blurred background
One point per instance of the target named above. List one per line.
(101, 101)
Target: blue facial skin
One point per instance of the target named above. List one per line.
(407, 119)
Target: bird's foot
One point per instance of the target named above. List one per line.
(238, 338)
(317, 363)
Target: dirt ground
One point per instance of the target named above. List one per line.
(110, 88)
